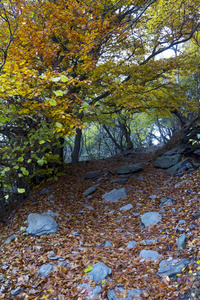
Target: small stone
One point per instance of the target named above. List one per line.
(89, 207)
(75, 233)
(181, 242)
(106, 244)
(44, 191)
(131, 244)
(196, 216)
(16, 291)
(153, 197)
(45, 269)
(126, 207)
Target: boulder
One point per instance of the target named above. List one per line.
(182, 166)
(172, 267)
(39, 224)
(114, 195)
(153, 255)
(166, 162)
(92, 175)
(99, 272)
(132, 168)
(150, 218)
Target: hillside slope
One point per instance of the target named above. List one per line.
(91, 230)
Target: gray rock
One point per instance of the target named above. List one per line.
(168, 202)
(131, 293)
(166, 162)
(150, 242)
(126, 207)
(120, 180)
(115, 195)
(153, 255)
(172, 267)
(196, 216)
(39, 224)
(150, 218)
(106, 244)
(16, 291)
(132, 168)
(131, 244)
(181, 166)
(135, 214)
(99, 272)
(46, 269)
(197, 152)
(44, 191)
(89, 207)
(181, 222)
(12, 237)
(91, 190)
(137, 176)
(152, 197)
(92, 175)
(181, 242)
(177, 149)
(75, 233)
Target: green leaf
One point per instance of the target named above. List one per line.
(64, 78)
(58, 93)
(31, 14)
(6, 197)
(88, 269)
(41, 142)
(21, 159)
(40, 162)
(21, 191)
(85, 105)
(29, 161)
(53, 102)
(55, 79)
(59, 125)
(6, 169)
(25, 172)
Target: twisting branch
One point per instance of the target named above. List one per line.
(8, 25)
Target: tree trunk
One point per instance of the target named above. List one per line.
(77, 146)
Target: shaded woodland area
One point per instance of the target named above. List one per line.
(92, 93)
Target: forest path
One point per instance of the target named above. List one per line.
(83, 232)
